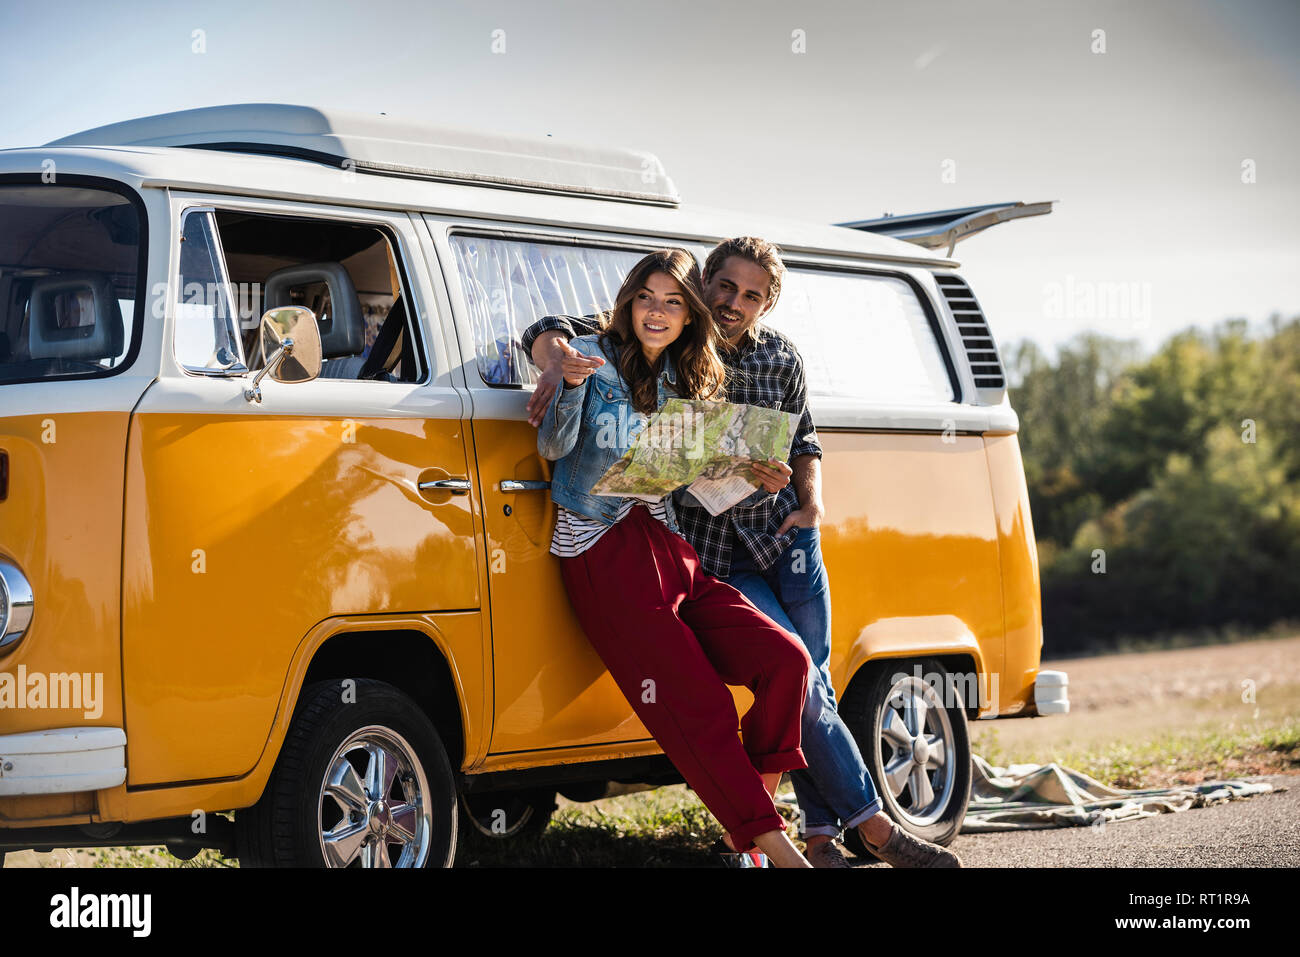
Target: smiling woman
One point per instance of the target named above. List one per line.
(661, 303)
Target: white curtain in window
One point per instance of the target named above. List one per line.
(509, 284)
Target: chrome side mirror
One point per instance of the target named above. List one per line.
(290, 341)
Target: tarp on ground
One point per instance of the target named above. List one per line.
(1034, 796)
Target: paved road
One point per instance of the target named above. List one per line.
(1261, 831)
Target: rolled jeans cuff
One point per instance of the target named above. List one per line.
(743, 837)
(871, 810)
(830, 830)
(827, 830)
(779, 761)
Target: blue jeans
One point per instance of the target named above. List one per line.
(835, 791)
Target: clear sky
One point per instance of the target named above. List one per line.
(861, 113)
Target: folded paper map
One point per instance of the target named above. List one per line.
(708, 446)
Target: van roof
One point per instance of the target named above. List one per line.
(387, 146)
(487, 195)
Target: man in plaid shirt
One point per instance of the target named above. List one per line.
(769, 545)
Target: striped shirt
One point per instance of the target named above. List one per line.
(575, 533)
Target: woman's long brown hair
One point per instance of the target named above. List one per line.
(694, 354)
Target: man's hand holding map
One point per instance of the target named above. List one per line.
(708, 446)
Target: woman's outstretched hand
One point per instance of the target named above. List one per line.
(567, 365)
(575, 366)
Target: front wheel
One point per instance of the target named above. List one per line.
(913, 737)
(362, 781)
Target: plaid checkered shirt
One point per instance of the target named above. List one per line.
(764, 369)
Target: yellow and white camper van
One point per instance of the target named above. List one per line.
(273, 527)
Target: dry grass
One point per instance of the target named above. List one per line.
(1166, 717)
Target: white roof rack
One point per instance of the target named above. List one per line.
(385, 146)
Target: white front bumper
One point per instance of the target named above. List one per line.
(61, 760)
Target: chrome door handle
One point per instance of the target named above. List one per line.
(524, 485)
(454, 486)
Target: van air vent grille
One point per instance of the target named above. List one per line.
(975, 335)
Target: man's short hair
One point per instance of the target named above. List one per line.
(758, 251)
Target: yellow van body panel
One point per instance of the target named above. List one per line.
(458, 637)
(242, 532)
(62, 524)
(1021, 594)
(926, 543)
(911, 550)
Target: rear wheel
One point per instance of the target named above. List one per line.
(362, 781)
(914, 739)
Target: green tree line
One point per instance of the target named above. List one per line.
(1165, 490)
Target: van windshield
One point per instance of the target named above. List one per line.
(69, 264)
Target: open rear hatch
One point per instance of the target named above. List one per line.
(948, 227)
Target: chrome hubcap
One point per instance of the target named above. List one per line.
(374, 803)
(916, 751)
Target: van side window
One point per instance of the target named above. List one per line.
(862, 337)
(69, 281)
(347, 274)
(205, 338)
(509, 284)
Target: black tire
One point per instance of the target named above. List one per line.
(508, 815)
(949, 783)
(381, 728)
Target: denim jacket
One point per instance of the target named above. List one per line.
(587, 428)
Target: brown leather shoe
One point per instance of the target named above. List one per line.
(826, 854)
(904, 849)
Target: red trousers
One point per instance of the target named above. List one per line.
(674, 637)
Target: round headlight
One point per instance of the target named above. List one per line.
(15, 605)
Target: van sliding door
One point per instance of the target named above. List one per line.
(552, 690)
